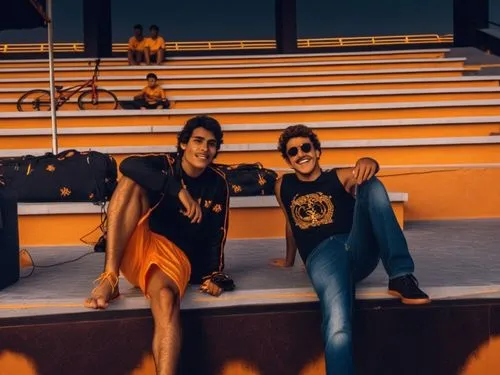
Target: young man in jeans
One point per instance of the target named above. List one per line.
(342, 223)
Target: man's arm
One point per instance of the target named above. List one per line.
(213, 282)
(153, 173)
(141, 95)
(163, 95)
(161, 43)
(291, 247)
(219, 224)
(131, 44)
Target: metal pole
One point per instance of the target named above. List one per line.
(51, 77)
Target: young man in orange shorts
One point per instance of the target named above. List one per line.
(155, 47)
(167, 225)
(136, 46)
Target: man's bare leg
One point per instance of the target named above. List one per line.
(139, 57)
(128, 204)
(147, 56)
(165, 306)
(160, 56)
(131, 57)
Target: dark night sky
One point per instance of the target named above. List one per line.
(183, 20)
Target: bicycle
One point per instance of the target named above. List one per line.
(39, 99)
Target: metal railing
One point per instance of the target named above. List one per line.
(244, 44)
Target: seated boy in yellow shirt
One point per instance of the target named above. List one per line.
(155, 47)
(152, 96)
(136, 46)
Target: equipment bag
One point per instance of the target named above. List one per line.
(249, 179)
(70, 176)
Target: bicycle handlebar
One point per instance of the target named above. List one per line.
(96, 68)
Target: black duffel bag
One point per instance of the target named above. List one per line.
(249, 179)
(70, 176)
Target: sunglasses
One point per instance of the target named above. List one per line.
(305, 147)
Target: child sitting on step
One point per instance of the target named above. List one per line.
(151, 97)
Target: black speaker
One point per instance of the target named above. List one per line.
(9, 238)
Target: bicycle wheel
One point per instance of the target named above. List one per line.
(34, 100)
(103, 99)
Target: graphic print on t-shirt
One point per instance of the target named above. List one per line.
(312, 210)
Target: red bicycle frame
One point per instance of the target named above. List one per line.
(62, 97)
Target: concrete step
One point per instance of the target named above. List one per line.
(256, 115)
(144, 134)
(46, 224)
(252, 78)
(287, 99)
(237, 59)
(285, 87)
(414, 151)
(239, 68)
(431, 193)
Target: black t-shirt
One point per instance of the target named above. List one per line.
(162, 177)
(316, 209)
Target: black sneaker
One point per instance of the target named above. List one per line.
(406, 288)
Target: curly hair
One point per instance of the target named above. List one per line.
(206, 122)
(295, 131)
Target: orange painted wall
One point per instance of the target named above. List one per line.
(436, 194)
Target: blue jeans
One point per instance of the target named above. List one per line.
(340, 261)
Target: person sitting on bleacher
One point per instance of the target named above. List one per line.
(136, 46)
(341, 221)
(155, 47)
(167, 226)
(152, 96)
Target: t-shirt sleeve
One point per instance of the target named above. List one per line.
(153, 173)
(131, 43)
(218, 226)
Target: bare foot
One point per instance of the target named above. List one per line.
(103, 293)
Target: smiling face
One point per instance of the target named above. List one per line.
(303, 158)
(199, 151)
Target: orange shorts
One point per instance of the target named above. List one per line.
(145, 249)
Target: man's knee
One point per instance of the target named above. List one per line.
(165, 303)
(373, 189)
(129, 194)
(130, 187)
(338, 339)
(336, 328)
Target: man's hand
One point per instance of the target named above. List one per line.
(211, 288)
(280, 263)
(365, 169)
(192, 208)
